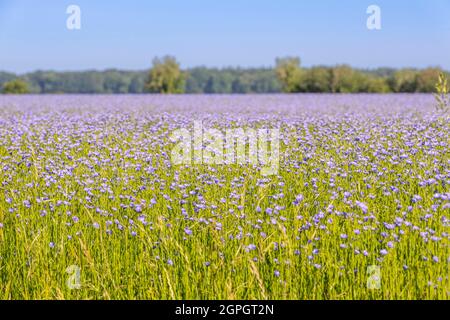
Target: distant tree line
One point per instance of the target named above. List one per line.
(345, 79)
(166, 76)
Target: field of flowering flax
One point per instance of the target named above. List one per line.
(92, 207)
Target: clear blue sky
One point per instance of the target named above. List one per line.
(128, 34)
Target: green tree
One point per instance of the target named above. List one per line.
(427, 79)
(48, 82)
(404, 80)
(116, 81)
(317, 79)
(219, 82)
(137, 83)
(197, 78)
(5, 77)
(166, 76)
(15, 86)
(344, 79)
(288, 73)
(377, 85)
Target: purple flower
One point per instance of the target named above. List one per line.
(169, 262)
(298, 199)
(188, 231)
(389, 226)
(52, 245)
(362, 206)
(276, 273)
(383, 252)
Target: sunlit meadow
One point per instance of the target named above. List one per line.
(87, 184)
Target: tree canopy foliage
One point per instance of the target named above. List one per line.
(165, 76)
(288, 75)
(15, 86)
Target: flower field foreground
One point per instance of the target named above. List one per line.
(92, 207)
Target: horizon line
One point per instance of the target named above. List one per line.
(221, 68)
